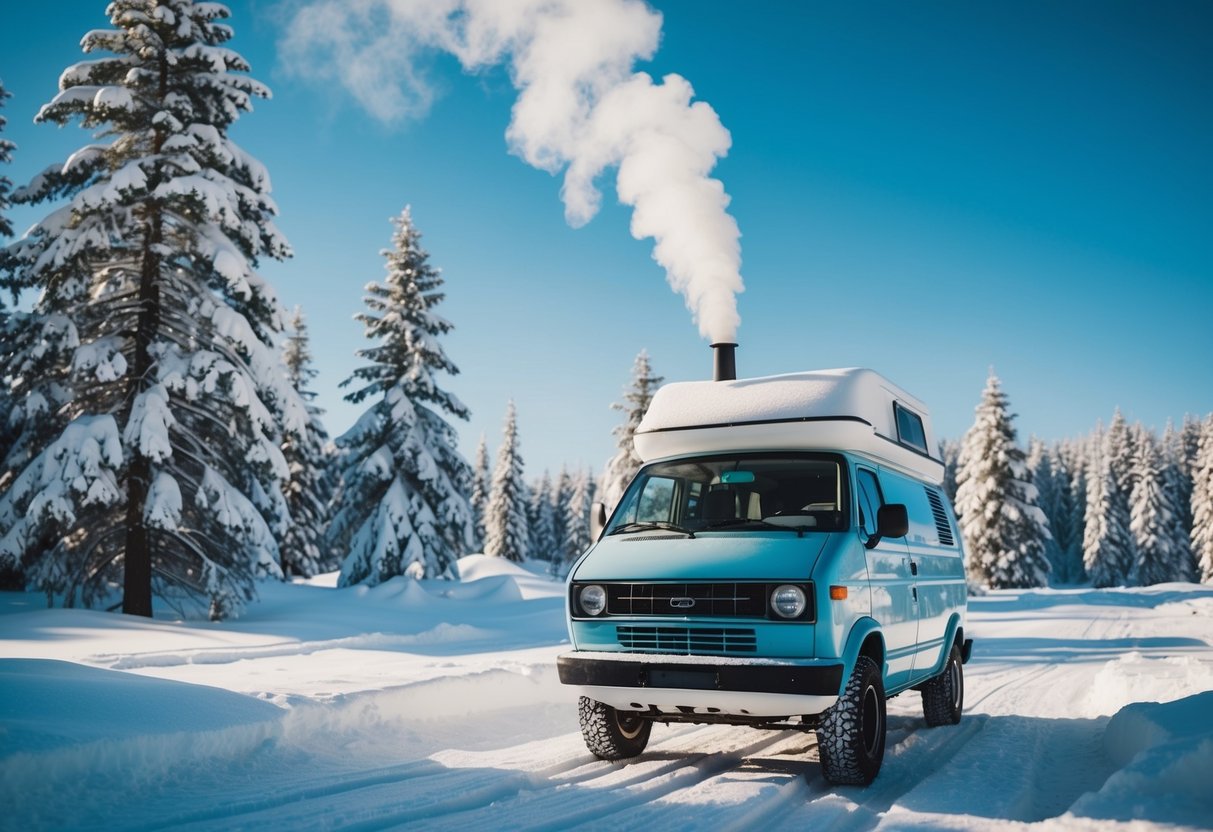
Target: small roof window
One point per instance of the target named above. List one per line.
(909, 428)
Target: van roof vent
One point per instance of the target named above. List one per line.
(941, 517)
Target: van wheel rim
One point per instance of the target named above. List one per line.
(629, 726)
(954, 680)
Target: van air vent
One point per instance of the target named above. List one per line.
(941, 517)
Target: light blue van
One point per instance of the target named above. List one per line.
(786, 558)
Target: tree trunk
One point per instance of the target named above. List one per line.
(137, 565)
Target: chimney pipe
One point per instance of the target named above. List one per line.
(724, 366)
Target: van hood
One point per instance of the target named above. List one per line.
(770, 556)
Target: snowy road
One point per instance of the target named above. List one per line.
(438, 727)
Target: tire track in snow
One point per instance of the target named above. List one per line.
(608, 789)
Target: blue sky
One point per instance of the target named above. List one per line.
(927, 189)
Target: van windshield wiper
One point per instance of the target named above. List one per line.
(649, 525)
(739, 522)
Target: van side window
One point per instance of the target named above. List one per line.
(909, 428)
(869, 500)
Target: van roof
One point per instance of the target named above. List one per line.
(853, 409)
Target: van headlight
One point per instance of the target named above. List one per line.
(788, 601)
(592, 599)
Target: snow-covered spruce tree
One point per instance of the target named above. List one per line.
(1005, 531)
(1202, 503)
(562, 492)
(1040, 463)
(544, 545)
(577, 515)
(505, 523)
(1153, 518)
(1107, 544)
(1119, 447)
(481, 481)
(402, 506)
(1066, 526)
(155, 464)
(636, 399)
(949, 452)
(310, 462)
(1183, 446)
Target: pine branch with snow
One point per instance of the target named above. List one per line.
(6, 184)
(402, 506)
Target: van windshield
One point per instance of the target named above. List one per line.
(741, 492)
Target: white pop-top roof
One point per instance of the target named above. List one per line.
(847, 409)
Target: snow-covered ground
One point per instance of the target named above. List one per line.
(438, 706)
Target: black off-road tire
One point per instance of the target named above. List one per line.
(943, 696)
(851, 735)
(612, 734)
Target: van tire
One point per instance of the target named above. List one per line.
(611, 734)
(851, 734)
(943, 696)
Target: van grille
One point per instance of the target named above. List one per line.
(688, 640)
(716, 600)
(941, 517)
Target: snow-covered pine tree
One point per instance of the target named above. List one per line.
(544, 545)
(1119, 446)
(1040, 463)
(577, 515)
(636, 399)
(1004, 529)
(1184, 445)
(402, 507)
(562, 492)
(1202, 502)
(1107, 543)
(481, 481)
(1178, 479)
(949, 452)
(505, 524)
(6, 157)
(309, 459)
(155, 464)
(1153, 518)
(1066, 527)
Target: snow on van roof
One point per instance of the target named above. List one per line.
(811, 405)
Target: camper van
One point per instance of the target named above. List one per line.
(785, 559)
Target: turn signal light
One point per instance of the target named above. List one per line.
(838, 593)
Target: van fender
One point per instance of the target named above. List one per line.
(861, 631)
(953, 635)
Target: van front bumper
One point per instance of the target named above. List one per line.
(703, 684)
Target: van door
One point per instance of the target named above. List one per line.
(894, 601)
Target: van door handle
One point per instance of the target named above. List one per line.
(913, 568)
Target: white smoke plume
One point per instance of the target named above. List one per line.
(581, 109)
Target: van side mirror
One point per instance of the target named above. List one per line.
(598, 519)
(892, 520)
